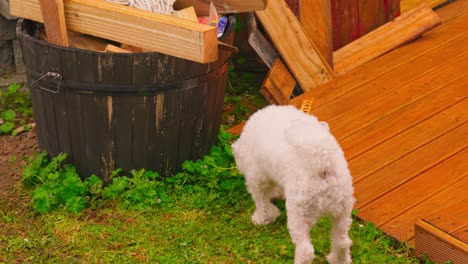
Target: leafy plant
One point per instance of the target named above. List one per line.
(15, 109)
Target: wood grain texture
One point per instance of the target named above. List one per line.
(437, 245)
(417, 191)
(372, 70)
(166, 34)
(202, 7)
(316, 19)
(345, 21)
(402, 227)
(407, 5)
(186, 13)
(300, 54)
(452, 218)
(279, 84)
(54, 21)
(403, 29)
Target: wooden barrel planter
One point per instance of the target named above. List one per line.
(123, 110)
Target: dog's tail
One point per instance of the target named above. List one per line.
(315, 145)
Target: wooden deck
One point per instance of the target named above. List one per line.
(402, 122)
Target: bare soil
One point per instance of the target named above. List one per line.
(13, 149)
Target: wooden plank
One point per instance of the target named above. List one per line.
(453, 10)
(54, 21)
(402, 227)
(345, 22)
(316, 19)
(455, 217)
(115, 49)
(165, 34)
(407, 5)
(462, 235)
(391, 81)
(408, 116)
(366, 73)
(437, 245)
(306, 63)
(222, 6)
(417, 190)
(279, 84)
(366, 114)
(368, 189)
(407, 141)
(187, 13)
(403, 29)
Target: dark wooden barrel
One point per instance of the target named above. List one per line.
(129, 111)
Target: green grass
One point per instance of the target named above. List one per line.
(204, 217)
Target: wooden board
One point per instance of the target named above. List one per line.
(452, 218)
(166, 34)
(279, 84)
(393, 34)
(369, 187)
(362, 115)
(437, 245)
(54, 21)
(407, 5)
(417, 190)
(202, 7)
(315, 16)
(301, 55)
(406, 117)
(384, 65)
(402, 227)
(186, 13)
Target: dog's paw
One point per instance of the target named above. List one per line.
(264, 218)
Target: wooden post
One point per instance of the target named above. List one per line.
(54, 21)
(315, 16)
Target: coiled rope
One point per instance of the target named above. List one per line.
(158, 6)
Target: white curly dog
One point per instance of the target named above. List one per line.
(285, 153)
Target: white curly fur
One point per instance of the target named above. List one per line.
(283, 151)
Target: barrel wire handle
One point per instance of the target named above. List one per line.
(52, 75)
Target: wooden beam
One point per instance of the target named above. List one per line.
(403, 29)
(54, 21)
(202, 7)
(315, 16)
(166, 34)
(301, 55)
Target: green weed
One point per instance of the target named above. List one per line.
(15, 109)
(201, 215)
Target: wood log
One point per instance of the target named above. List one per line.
(301, 55)
(202, 7)
(166, 34)
(315, 16)
(279, 84)
(403, 29)
(54, 21)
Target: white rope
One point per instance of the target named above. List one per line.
(159, 6)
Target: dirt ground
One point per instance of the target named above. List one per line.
(12, 151)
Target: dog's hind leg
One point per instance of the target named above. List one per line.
(341, 242)
(299, 225)
(262, 193)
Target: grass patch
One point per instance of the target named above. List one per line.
(201, 215)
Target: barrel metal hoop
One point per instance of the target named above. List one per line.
(50, 80)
